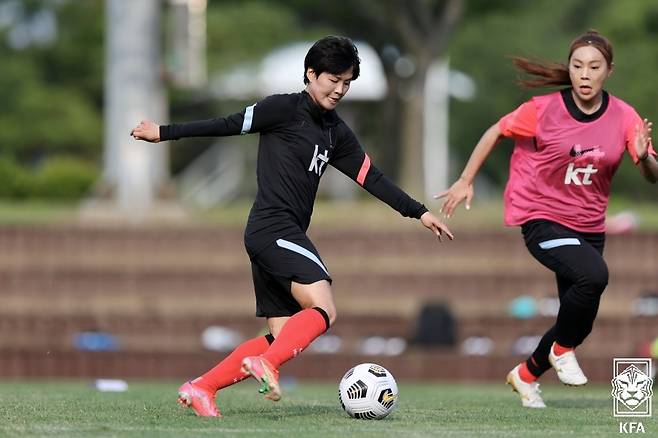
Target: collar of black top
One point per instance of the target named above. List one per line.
(576, 113)
(318, 113)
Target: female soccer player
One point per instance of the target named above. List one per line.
(300, 135)
(568, 145)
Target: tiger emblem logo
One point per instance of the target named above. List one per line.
(632, 387)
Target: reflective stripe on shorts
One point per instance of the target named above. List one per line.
(554, 243)
(301, 250)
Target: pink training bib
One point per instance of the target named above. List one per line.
(564, 160)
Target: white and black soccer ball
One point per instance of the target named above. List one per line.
(368, 391)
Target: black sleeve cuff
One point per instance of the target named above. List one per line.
(165, 133)
(421, 211)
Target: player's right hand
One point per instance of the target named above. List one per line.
(147, 131)
(459, 191)
(432, 223)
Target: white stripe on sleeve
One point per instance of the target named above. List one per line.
(248, 118)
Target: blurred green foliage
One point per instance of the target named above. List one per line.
(62, 178)
(14, 180)
(51, 89)
(244, 31)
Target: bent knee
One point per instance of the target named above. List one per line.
(594, 283)
(598, 280)
(330, 311)
(332, 318)
(590, 270)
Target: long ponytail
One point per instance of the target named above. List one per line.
(552, 74)
(544, 73)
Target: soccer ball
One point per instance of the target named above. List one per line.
(368, 391)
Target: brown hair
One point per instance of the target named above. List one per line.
(549, 73)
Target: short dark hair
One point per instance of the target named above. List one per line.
(332, 54)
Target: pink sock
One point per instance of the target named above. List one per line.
(228, 371)
(559, 350)
(297, 334)
(525, 373)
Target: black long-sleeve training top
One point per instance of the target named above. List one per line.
(298, 139)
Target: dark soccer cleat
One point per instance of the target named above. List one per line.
(200, 400)
(268, 376)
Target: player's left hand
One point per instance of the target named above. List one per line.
(435, 225)
(642, 138)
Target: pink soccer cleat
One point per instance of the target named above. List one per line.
(268, 376)
(200, 400)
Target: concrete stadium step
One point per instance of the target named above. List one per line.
(157, 289)
(343, 250)
(149, 333)
(224, 291)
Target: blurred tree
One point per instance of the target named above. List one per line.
(244, 31)
(633, 30)
(51, 79)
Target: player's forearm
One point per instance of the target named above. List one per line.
(480, 153)
(218, 127)
(386, 191)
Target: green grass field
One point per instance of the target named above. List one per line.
(75, 409)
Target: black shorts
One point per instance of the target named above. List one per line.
(274, 268)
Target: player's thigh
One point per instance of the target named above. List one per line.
(273, 297)
(566, 252)
(292, 276)
(318, 294)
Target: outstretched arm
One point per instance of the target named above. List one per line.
(646, 160)
(462, 189)
(267, 114)
(385, 190)
(219, 127)
(351, 160)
